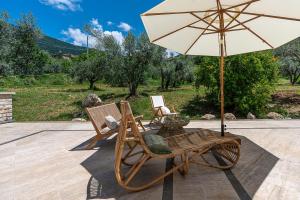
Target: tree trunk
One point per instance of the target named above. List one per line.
(168, 83)
(92, 82)
(132, 90)
(293, 80)
(174, 83)
(162, 84)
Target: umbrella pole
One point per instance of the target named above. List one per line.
(222, 89)
(222, 48)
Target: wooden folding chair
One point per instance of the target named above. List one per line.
(158, 103)
(97, 116)
(184, 149)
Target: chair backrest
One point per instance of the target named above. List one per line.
(157, 101)
(128, 119)
(97, 115)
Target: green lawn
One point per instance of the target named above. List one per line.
(45, 100)
(285, 86)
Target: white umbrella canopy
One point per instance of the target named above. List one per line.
(193, 26)
(222, 28)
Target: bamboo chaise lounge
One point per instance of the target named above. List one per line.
(97, 116)
(160, 110)
(184, 149)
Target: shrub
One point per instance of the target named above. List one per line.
(29, 81)
(249, 81)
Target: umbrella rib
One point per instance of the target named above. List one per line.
(242, 4)
(175, 13)
(202, 19)
(201, 28)
(251, 31)
(264, 15)
(200, 35)
(244, 22)
(231, 30)
(163, 36)
(247, 5)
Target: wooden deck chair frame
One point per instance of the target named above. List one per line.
(228, 148)
(158, 113)
(97, 116)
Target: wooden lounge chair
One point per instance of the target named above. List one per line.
(158, 105)
(97, 116)
(185, 148)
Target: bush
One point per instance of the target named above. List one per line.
(54, 79)
(38, 80)
(29, 80)
(249, 81)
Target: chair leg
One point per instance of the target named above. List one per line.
(228, 153)
(131, 154)
(125, 181)
(141, 125)
(154, 121)
(97, 138)
(185, 168)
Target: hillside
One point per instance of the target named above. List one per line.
(56, 47)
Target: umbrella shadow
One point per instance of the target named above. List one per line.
(244, 179)
(198, 106)
(101, 167)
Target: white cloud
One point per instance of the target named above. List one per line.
(73, 5)
(109, 23)
(171, 53)
(116, 34)
(124, 26)
(96, 25)
(78, 37)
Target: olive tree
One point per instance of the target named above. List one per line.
(289, 55)
(91, 69)
(128, 61)
(26, 56)
(6, 40)
(176, 70)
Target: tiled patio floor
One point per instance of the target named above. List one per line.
(44, 161)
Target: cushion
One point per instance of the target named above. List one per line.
(165, 110)
(111, 122)
(156, 144)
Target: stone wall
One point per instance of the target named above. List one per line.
(6, 107)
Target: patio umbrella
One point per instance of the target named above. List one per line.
(222, 28)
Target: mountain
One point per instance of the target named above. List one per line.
(58, 47)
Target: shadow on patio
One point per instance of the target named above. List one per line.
(241, 182)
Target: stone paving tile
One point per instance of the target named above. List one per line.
(44, 166)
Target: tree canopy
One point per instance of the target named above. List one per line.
(249, 81)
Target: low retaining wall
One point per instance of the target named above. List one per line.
(6, 107)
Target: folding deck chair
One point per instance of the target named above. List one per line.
(97, 116)
(160, 110)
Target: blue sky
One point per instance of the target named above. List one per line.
(64, 19)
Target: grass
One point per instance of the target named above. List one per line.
(56, 97)
(285, 86)
(42, 100)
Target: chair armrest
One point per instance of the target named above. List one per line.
(173, 109)
(139, 117)
(158, 110)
